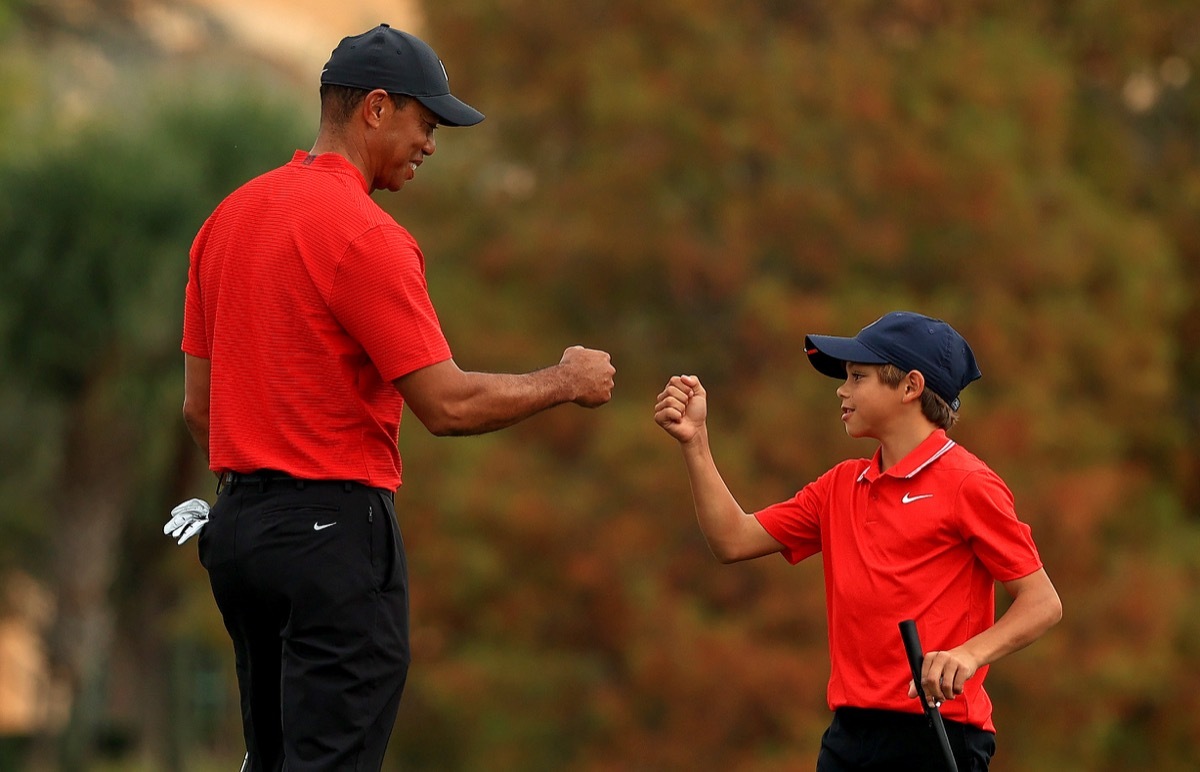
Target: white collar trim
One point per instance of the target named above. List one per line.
(944, 449)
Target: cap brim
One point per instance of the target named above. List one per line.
(830, 354)
(451, 111)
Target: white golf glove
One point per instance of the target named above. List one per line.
(187, 519)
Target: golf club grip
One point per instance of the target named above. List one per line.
(916, 657)
(912, 647)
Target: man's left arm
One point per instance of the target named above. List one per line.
(189, 517)
(197, 373)
(1035, 609)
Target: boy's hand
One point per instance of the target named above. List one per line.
(682, 408)
(944, 674)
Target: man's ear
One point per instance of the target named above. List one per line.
(374, 107)
(913, 385)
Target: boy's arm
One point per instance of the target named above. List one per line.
(731, 533)
(1035, 609)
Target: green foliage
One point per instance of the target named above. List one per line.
(96, 232)
(8, 10)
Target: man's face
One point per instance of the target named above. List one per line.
(406, 138)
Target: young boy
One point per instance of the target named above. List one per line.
(922, 531)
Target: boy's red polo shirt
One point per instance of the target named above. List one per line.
(309, 300)
(926, 540)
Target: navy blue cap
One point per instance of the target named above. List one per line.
(908, 341)
(398, 63)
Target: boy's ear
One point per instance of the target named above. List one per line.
(913, 385)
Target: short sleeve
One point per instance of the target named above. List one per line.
(380, 297)
(988, 520)
(796, 523)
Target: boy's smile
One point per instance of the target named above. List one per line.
(867, 402)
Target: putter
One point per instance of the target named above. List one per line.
(912, 646)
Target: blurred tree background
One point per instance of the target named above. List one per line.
(692, 186)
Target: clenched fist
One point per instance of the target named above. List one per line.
(591, 371)
(682, 408)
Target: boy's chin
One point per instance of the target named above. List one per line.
(859, 434)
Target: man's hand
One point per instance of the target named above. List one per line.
(591, 373)
(682, 408)
(187, 519)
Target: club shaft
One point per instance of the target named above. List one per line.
(916, 657)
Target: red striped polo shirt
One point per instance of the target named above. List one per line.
(309, 300)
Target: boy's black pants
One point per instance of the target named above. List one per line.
(311, 580)
(861, 740)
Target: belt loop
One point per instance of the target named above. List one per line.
(348, 486)
(299, 485)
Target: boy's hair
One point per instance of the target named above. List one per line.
(933, 407)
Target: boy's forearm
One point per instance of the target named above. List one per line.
(717, 511)
(1035, 609)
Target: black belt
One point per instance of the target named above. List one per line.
(264, 477)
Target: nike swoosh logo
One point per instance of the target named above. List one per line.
(319, 527)
(909, 498)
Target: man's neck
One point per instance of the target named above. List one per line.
(329, 142)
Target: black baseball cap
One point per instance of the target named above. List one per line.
(908, 341)
(398, 63)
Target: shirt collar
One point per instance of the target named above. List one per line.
(931, 449)
(329, 162)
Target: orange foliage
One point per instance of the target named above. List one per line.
(704, 183)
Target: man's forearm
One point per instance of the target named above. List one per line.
(493, 401)
(449, 401)
(198, 428)
(197, 378)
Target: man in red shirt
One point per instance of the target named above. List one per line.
(307, 328)
(922, 530)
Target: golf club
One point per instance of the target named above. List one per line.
(912, 646)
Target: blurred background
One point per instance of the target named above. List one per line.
(691, 185)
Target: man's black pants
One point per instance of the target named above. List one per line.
(312, 583)
(861, 740)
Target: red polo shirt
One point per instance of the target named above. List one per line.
(309, 300)
(926, 540)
